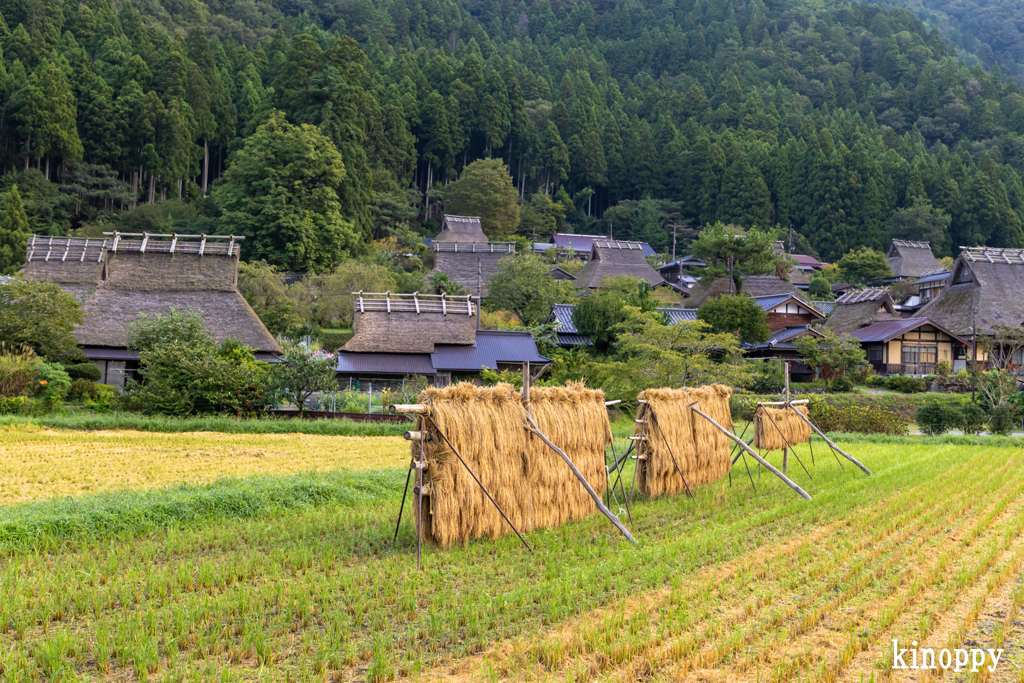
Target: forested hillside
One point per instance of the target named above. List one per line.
(848, 122)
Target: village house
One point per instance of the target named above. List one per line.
(682, 272)
(855, 310)
(910, 260)
(437, 336)
(463, 252)
(786, 310)
(909, 346)
(610, 259)
(581, 246)
(780, 345)
(124, 275)
(984, 290)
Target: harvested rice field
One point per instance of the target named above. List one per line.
(733, 585)
(47, 463)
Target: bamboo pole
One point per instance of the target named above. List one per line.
(417, 408)
(419, 493)
(784, 403)
(762, 461)
(789, 445)
(830, 443)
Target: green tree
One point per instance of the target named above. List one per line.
(820, 287)
(839, 352)
(597, 316)
(303, 374)
(922, 222)
(264, 289)
(523, 285)
(14, 232)
(736, 314)
(752, 252)
(485, 189)
(39, 315)
(281, 192)
(863, 266)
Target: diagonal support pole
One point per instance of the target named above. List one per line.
(579, 475)
(830, 443)
(774, 424)
(479, 483)
(768, 466)
(621, 486)
(419, 493)
(673, 455)
(401, 508)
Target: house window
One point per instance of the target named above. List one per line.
(913, 355)
(875, 354)
(926, 294)
(963, 276)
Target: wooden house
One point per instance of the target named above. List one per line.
(610, 259)
(909, 346)
(786, 310)
(126, 275)
(910, 260)
(463, 252)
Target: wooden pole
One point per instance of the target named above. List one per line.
(673, 455)
(762, 461)
(785, 451)
(579, 475)
(419, 493)
(615, 459)
(830, 443)
(789, 445)
(417, 408)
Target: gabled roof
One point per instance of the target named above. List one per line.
(683, 262)
(410, 323)
(929, 278)
(887, 330)
(561, 274)
(678, 315)
(610, 258)
(825, 307)
(772, 301)
(986, 286)
(911, 259)
(584, 243)
(783, 339)
(461, 229)
(805, 262)
(855, 310)
(491, 347)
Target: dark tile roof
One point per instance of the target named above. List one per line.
(572, 339)
(928, 278)
(825, 307)
(783, 339)
(805, 261)
(886, 330)
(870, 294)
(562, 314)
(684, 262)
(386, 363)
(584, 243)
(114, 353)
(678, 315)
(491, 347)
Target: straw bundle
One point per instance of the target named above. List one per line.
(530, 482)
(576, 420)
(790, 426)
(670, 429)
(485, 424)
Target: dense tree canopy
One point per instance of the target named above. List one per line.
(826, 118)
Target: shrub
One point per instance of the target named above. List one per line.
(51, 383)
(769, 378)
(82, 390)
(905, 384)
(862, 419)
(88, 371)
(972, 418)
(842, 384)
(16, 371)
(936, 418)
(1002, 419)
(943, 368)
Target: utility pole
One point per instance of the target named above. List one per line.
(730, 275)
(790, 238)
(479, 288)
(674, 226)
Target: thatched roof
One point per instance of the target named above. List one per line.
(410, 323)
(74, 264)
(755, 285)
(987, 286)
(611, 258)
(855, 310)
(461, 229)
(156, 273)
(911, 259)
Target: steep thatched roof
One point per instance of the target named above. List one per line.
(159, 272)
(75, 264)
(911, 259)
(755, 285)
(611, 258)
(410, 323)
(461, 229)
(855, 310)
(986, 286)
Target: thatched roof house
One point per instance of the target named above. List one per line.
(986, 288)
(855, 310)
(75, 264)
(466, 229)
(754, 285)
(911, 259)
(396, 335)
(129, 274)
(462, 251)
(610, 258)
(582, 245)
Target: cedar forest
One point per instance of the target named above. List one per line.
(343, 122)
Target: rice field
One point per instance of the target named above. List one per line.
(734, 585)
(38, 463)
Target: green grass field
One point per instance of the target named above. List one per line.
(296, 578)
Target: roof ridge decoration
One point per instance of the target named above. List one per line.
(1013, 257)
(618, 244)
(869, 294)
(47, 248)
(909, 243)
(475, 247)
(388, 302)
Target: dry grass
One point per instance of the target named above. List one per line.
(46, 463)
(778, 428)
(676, 436)
(527, 479)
